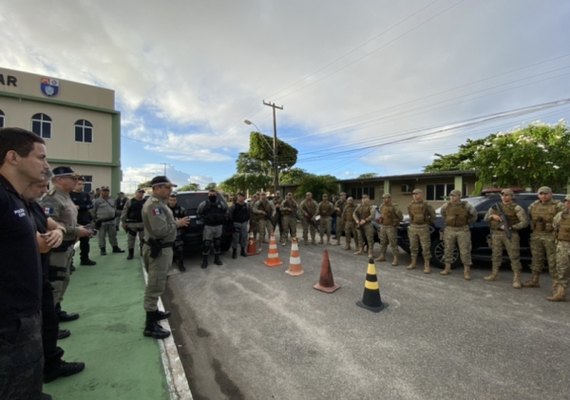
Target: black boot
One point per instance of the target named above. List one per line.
(234, 253)
(116, 249)
(243, 253)
(152, 327)
(131, 254)
(204, 261)
(217, 260)
(181, 267)
(103, 251)
(160, 315)
(87, 262)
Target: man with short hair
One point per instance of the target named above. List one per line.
(277, 220)
(214, 213)
(338, 224)
(389, 219)
(309, 209)
(506, 218)
(240, 214)
(422, 215)
(349, 224)
(159, 234)
(561, 223)
(542, 238)
(131, 219)
(325, 210)
(105, 211)
(458, 215)
(84, 206)
(289, 211)
(23, 161)
(363, 215)
(265, 212)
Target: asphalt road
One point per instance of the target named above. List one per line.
(246, 331)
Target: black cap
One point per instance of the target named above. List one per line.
(140, 190)
(63, 171)
(105, 188)
(173, 194)
(161, 180)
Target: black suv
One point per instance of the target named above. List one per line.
(192, 235)
(480, 234)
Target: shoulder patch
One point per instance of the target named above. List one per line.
(49, 211)
(156, 211)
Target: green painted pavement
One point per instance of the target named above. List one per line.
(121, 364)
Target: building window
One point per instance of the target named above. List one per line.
(88, 183)
(439, 191)
(83, 131)
(41, 125)
(2, 116)
(357, 193)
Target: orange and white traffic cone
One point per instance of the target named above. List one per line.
(295, 267)
(326, 282)
(251, 249)
(273, 259)
(371, 299)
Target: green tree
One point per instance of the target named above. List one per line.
(189, 187)
(529, 157)
(367, 175)
(293, 176)
(244, 182)
(249, 165)
(261, 148)
(210, 186)
(317, 185)
(460, 161)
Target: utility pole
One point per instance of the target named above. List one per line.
(275, 166)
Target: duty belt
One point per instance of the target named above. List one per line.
(66, 244)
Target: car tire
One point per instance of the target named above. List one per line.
(438, 254)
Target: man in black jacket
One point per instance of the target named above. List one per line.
(240, 214)
(84, 205)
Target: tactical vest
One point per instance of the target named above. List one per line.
(456, 214)
(418, 213)
(363, 212)
(240, 213)
(266, 207)
(135, 210)
(510, 213)
(564, 229)
(309, 208)
(327, 209)
(348, 212)
(289, 204)
(389, 216)
(213, 213)
(542, 216)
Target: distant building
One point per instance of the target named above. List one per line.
(79, 123)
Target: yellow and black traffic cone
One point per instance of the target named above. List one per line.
(371, 299)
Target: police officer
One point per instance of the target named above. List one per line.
(213, 212)
(120, 202)
(458, 215)
(58, 205)
(105, 211)
(389, 218)
(265, 212)
(178, 212)
(422, 215)
(542, 238)
(160, 229)
(338, 225)
(277, 216)
(363, 215)
(84, 206)
(309, 210)
(505, 219)
(289, 211)
(131, 219)
(325, 210)
(240, 214)
(22, 161)
(561, 224)
(349, 224)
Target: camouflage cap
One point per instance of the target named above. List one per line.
(544, 189)
(455, 193)
(417, 191)
(507, 191)
(386, 195)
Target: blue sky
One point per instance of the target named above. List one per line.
(366, 86)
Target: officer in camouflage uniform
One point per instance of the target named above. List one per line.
(58, 205)
(348, 224)
(265, 212)
(338, 208)
(325, 210)
(277, 220)
(160, 229)
(289, 212)
(542, 239)
(131, 219)
(516, 219)
(363, 215)
(104, 209)
(178, 212)
(309, 209)
(422, 215)
(457, 215)
(390, 218)
(561, 225)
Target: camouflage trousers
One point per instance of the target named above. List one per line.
(265, 226)
(349, 233)
(419, 235)
(157, 274)
(308, 226)
(499, 241)
(289, 227)
(562, 263)
(21, 358)
(388, 235)
(543, 249)
(461, 236)
(366, 236)
(325, 225)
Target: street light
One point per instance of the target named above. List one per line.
(274, 149)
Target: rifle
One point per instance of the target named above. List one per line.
(504, 221)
